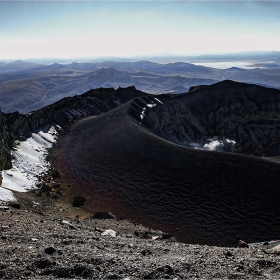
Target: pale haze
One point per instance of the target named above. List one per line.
(69, 29)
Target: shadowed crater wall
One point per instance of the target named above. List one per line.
(227, 116)
(129, 162)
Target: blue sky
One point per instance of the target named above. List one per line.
(69, 29)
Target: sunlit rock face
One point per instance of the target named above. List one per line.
(227, 116)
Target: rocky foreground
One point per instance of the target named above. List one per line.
(42, 241)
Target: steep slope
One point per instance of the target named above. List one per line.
(16, 126)
(226, 116)
(37, 131)
(206, 197)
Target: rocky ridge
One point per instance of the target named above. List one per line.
(16, 126)
(236, 117)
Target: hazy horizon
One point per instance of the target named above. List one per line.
(93, 29)
(231, 59)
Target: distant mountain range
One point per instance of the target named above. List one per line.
(26, 86)
(249, 56)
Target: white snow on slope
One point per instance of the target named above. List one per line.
(214, 144)
(29, 162)
(145, 108)
(158, 100)
(231, 141)
(6, 195)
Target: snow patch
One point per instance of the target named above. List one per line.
(6, 195)
(29, 162)
(213, 145)
(231, 141)
(143, 113)
(145, 108)
(158, 100)
(109, 232)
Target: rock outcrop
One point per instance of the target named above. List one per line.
(6, 144)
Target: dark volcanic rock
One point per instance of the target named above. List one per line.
(102, 215)
(69, 109)
(241, 118)
(6, 143)
(16, 126)
(242, 244)
(125, 168)
(50, 250)
(79, 201)
(15, 205)
(43, 263)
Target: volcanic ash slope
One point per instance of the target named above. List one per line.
(214, 198)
